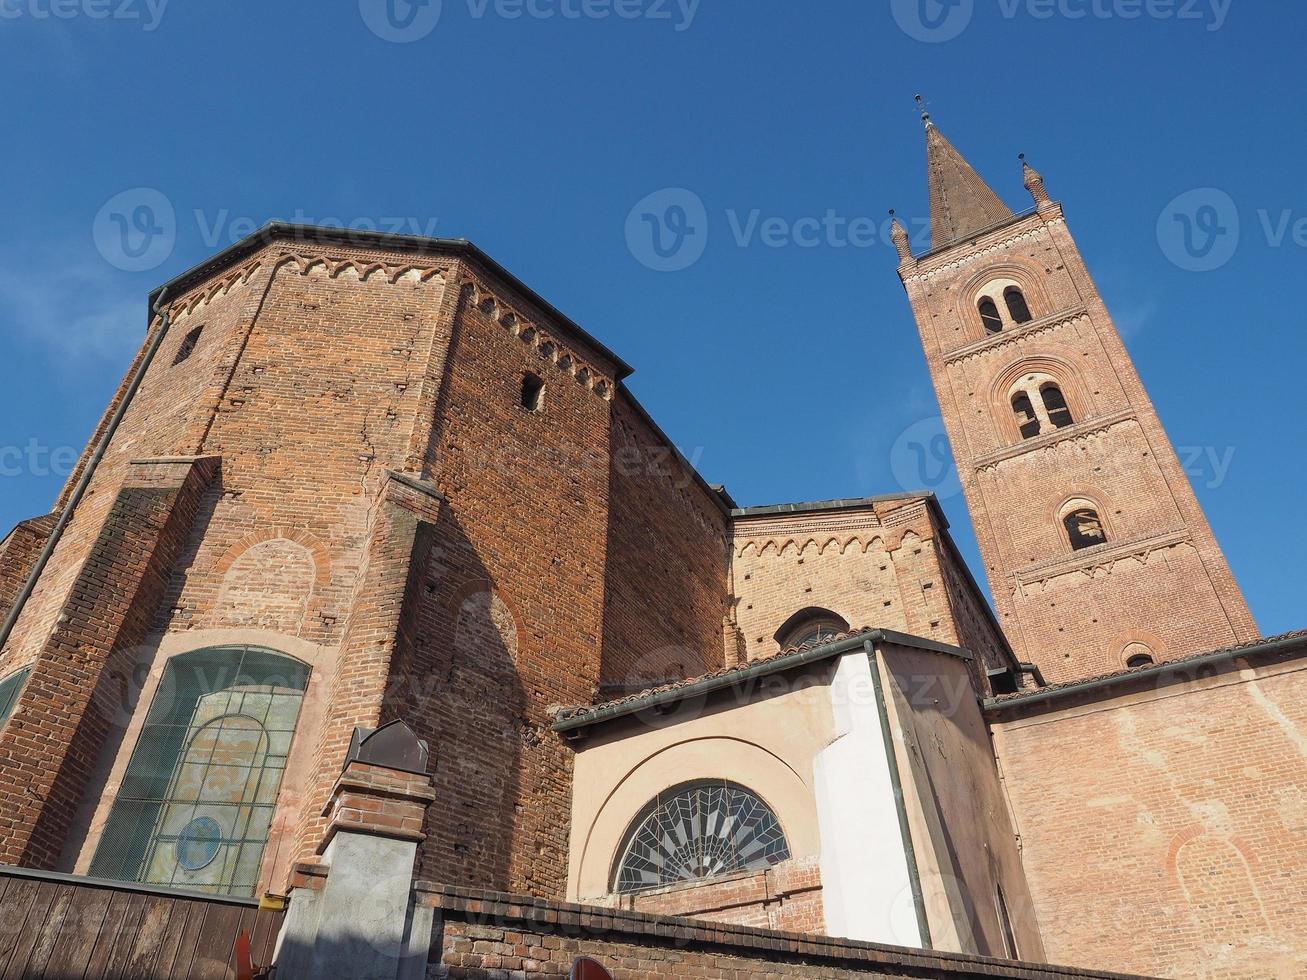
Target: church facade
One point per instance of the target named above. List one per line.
(375, 571)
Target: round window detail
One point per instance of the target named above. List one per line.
(197, 844)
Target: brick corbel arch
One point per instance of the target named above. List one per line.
(969, 293)
(1062, 369)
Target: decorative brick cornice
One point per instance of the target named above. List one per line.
(1025, 227)
(1006, 338)
(542, 339)
(1080, 430)
(1100, 556)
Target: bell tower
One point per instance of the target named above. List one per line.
(1096, 550)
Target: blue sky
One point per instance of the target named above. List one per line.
(783, 359)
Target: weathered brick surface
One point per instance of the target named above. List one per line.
(484, 936)
(66, 709)
(18, 554)
(1161, 578)
(663, 526)
(371, 799)
(886, 565)
(1162, 824)
(786, 897)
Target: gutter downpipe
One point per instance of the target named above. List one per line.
(66, 516)
(909, 852)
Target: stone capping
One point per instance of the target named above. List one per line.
(1075, 430)
(623, 926)
(1005, 337)
(1093, 557)
(377, 800)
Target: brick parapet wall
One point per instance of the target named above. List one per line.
(50, 746)
(787, 896)
(483, 935)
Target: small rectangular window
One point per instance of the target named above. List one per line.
(188, 345)
(533, 390)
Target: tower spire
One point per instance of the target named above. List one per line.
(1034, 182)
(961, 203)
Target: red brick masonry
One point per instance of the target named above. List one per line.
(484, 934)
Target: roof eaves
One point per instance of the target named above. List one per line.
(789, 660)
(416, 244)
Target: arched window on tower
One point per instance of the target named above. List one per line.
(1027, 420)
(1084, 528)
(1055, 404)
(989, 315)
(197, 800)
(1016, 305)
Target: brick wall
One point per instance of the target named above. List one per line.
(482, 936)
(18, 553)
(1162, 823)
(787, 897)
(663, 527)
(886, 564)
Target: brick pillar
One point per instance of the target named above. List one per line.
(61, 721)
(377, 631)
(352, 913)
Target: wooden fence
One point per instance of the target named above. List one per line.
(62, 926)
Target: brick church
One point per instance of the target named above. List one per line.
(381, 632)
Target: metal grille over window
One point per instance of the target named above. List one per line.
(198, 796)
(696, 831)
(10, 688)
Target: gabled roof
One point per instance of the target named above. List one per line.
(961, 203)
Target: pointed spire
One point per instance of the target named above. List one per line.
(899, 236)
(960, 202)
(1034, 183)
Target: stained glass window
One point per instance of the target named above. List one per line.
(699, 830)
(200, 789)
(10, 688)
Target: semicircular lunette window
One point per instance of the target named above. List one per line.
(697, 831)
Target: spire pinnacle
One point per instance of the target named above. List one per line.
(961, 203)
(1034, 182)
(899, 236)
(925, 112)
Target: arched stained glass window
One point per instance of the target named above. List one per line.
(200, 789)
(10, 688)
(695, 831)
